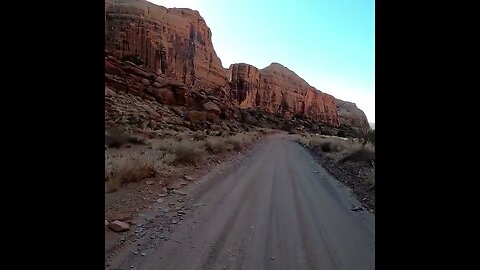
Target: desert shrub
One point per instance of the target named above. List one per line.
(304, 141)
(117, 138)
(199, 136)
(168, 145)
(342, 133)
(236, 142)
(326, 147)
(362, 155)
(216, 145)
(185, 150)
(188, 152)
(133, 58)
(369, 137)
(129, 168)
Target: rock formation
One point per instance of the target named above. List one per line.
(176, 60)
(175, 42)
(277, 89)
(350, 115)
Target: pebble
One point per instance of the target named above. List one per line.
(143, 254)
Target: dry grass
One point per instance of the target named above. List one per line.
(340, 149)
(117, 138)
(199, 136)
(189, 152)
(362, 155)
(185, 150)
(240, 140)
(168, 145)
(216, 145)
(131, 167)
(236, 141)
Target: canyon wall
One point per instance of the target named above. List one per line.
(176, 43)
(277, 89)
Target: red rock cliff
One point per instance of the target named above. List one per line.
(279, 90)
(174, 42)
(350, 115)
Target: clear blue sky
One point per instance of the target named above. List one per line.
(329, 43)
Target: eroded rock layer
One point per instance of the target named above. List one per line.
(175, 45)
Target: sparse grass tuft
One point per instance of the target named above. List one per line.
(168, 145)
(236, 142)
(339, 149)
(131, 167)
(188, 152)
(362, 155)
(185, 150)
(117, 138)
(216, 145)
(199, 136)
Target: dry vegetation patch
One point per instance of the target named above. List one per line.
(173, 149)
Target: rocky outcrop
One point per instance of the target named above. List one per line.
(351, 116)
(277, 89)
(174, 42)
(130, 78)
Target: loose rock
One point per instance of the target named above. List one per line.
(357, 208)
(177, 192)
(118, 226)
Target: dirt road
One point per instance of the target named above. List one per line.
(277, 209)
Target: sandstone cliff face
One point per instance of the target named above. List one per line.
(174, 42)
(350, 115)
(277, 89)
(175, 45)
(130, 78)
